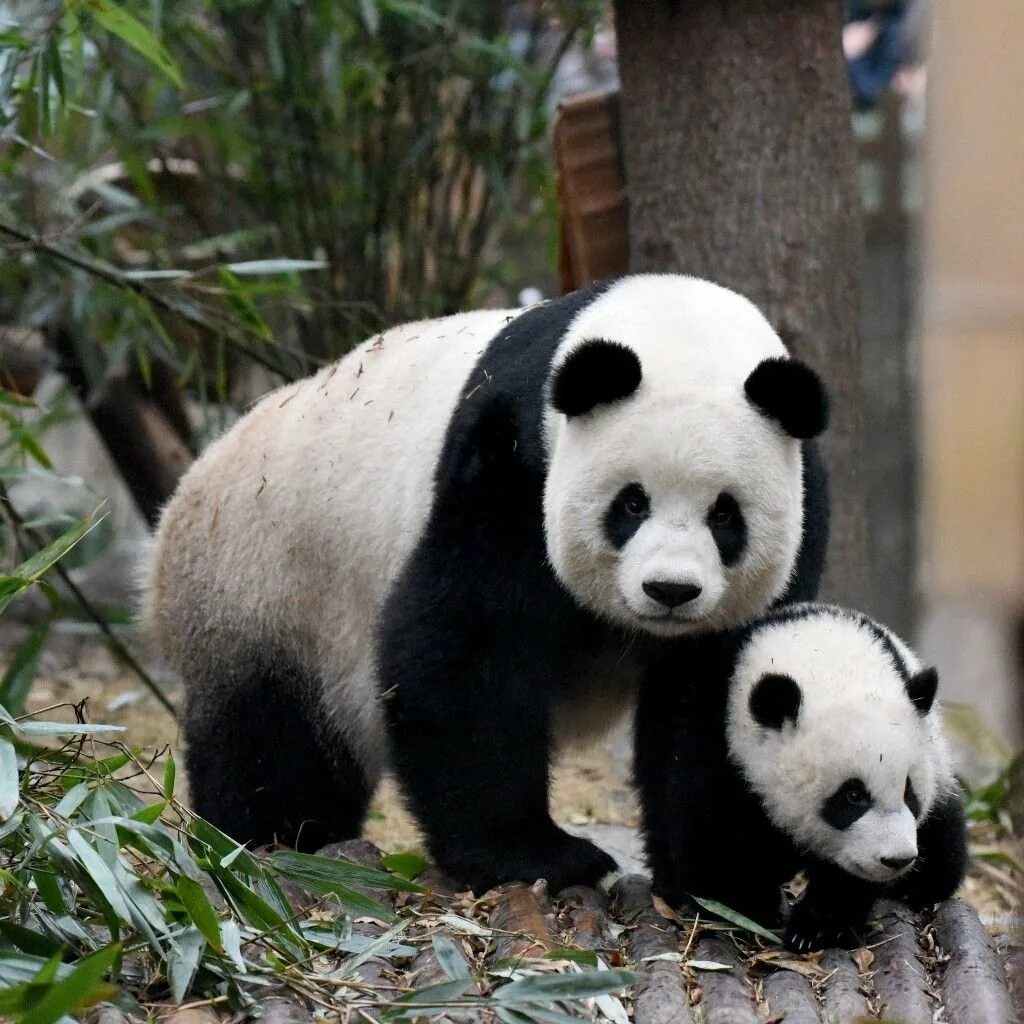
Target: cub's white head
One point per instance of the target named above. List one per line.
(833, 723)
(674, 497)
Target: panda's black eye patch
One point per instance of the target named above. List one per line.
(910, 798)
(848, 803)
(629, 509)
(728, 528)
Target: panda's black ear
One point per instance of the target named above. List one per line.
(774, 699)
(594, 373)
(921, 689)
(791, 393)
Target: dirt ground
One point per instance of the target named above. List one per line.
(591, 787)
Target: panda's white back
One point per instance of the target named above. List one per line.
(292, 526)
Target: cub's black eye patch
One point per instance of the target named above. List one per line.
(846, 805)
(910, 798)
(728, 528)
(629, 510)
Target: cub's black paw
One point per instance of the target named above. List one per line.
(810, 929)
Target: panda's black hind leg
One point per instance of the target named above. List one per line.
(264, 764)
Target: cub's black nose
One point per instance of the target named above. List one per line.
(671, 595)
(897, 863)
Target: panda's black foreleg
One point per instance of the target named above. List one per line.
(468, 719)
(942, 855)
(833, 910)
(263, 763)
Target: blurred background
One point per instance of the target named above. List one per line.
(201, 200)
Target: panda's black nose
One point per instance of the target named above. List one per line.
(897, 863)
(671, 595)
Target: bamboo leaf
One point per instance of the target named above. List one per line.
(405, 865)
(736, 918)
(548, 987)
(22, 670)
(204, 917)
(183, 962)
(8, 779)
(83, 987)
(449, 957)
(117, 20)
(320, 874)
(259, 268)
(169, 773)
(98, 870)
(33, 568)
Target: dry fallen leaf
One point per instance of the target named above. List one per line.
(809, 967)
(863, 958)
(665, 910)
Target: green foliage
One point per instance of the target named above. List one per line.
(257, 171)
(114, 890)
(33, 569)
(736, 918)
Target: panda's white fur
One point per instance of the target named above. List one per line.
(687, 437)
(304, 552)
(855, 720)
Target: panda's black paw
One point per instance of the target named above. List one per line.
(559, 858)
(810, 929)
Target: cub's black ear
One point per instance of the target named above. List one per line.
(594, 373)
(774, 699)
(791, 393)
(921, 689)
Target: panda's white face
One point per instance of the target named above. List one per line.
(673, 520)
(823, 723)
(673, 504)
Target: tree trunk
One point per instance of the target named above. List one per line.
(740, 168)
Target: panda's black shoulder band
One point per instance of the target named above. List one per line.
(593, 374)
(791, 393)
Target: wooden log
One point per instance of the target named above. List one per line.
(282, 1009)
(661, 995)
(973, 982)
(585, 917)
(727, 995)
(842, 992)
(1014, 966)
(630, 895)
(189, 1015)
(106, 1014)
(426, 970)
(900, 979)
(789, 996)
(521, 913)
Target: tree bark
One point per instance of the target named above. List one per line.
(145, 430)
(740, 168)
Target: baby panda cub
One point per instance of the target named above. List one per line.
(808, 741)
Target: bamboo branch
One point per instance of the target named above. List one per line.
(116, 644)
(112, 275)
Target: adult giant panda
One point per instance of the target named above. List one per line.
(808, 741)
(454, 550)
